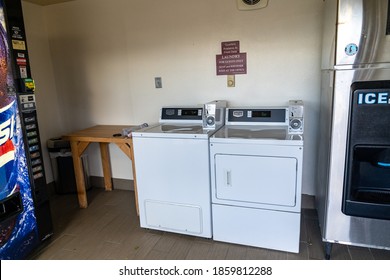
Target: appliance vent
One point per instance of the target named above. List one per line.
(251, 2)
(247, 5)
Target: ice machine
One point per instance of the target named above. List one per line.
(353, 182)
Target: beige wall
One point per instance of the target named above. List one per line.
(50, 123)
(94, 62)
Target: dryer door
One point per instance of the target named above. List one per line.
(253, 180)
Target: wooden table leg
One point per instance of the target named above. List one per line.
(105, 155)
(77, 150)
(127, 148)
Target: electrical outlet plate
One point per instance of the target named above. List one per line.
(231, 81)
(158, 82)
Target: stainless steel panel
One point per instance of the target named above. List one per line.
(362, 23)
(336, 226)
(329, 34)
(326, 110)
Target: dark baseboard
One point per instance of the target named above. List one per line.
(97, 182)
(118, 184)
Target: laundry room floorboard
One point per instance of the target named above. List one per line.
(109, 230)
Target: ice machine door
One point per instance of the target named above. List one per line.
(367, 177)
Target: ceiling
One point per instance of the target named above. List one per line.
(47, 2)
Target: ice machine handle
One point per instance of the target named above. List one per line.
(383, 164)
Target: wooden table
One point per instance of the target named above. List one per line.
(104, 135)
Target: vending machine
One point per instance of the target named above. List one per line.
(25, 217)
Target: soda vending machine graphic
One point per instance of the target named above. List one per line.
(25, 219)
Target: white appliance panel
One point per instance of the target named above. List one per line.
(283, 179)
(256, 179)
(173, 217)
(256, 227)
(256, 189)
(173, 176)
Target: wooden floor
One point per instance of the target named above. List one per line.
(109, 229)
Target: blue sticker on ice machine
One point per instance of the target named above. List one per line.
(351, 49)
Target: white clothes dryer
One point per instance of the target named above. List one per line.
(256, 177)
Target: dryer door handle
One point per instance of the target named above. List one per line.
(228, 178)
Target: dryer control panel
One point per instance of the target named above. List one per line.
(257, 116)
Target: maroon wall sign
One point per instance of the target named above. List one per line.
(231, 61)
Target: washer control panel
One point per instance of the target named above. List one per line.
(181, 113)
(295, 117)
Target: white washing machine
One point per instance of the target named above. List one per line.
(173, 172)
(256, 176)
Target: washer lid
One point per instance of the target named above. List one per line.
(172, 130)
